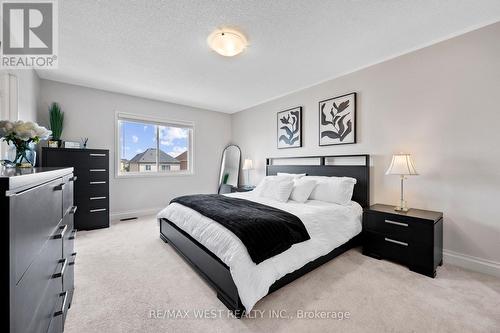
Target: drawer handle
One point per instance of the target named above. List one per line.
(59, 187)
(395, 241)
(97, 210)
(73, 179)
(63, 306)
(97, 155)
(74, 259)
(62, 231)
(397, 223)
(97, 198)
(73, 234)
(63, 268)
(97, 170)
(101, 182)
(73, 210)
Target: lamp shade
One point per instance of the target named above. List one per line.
(401, 164)
(247, 165)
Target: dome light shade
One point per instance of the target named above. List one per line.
(227, 42)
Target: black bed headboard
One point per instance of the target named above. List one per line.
(355, 166)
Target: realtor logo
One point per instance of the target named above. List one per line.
(29, 34)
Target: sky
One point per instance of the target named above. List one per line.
(137, 137)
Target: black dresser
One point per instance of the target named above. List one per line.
(92, 189)
(36, 208)
(414, 238)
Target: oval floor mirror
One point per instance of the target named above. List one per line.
(229, 169)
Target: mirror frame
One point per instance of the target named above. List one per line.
(221, 167)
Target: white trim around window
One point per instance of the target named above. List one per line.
(120, 116)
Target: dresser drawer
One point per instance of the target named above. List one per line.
(93, 219)
(392, 227)
(36, 293)
(69, 276)
(97, 188)
(69, 254)
(70, 234)
(382, 246)
(96, 202)
(67, 193)
(35, 214)
(59, 313)
(56, 324)
(98, 174)
(65, 158)
(98, 160)
(98, 205)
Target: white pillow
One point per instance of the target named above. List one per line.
(293, 175)
(333, 189)
(302, 189)
(277, 188)
(263, 183)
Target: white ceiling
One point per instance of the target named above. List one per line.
(157, 49)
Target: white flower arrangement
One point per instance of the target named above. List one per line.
(22, 134)
(22, 131)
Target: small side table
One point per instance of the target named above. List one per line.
(413, 238)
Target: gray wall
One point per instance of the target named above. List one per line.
(91, 113)
(441, 104)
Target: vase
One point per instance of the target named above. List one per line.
(25, 155)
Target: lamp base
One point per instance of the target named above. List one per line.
(401, 206)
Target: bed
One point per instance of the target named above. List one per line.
(217, 256)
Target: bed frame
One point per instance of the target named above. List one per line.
(217, 274)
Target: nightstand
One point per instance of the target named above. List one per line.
(224, 188)
(244, 189)
(413, 238)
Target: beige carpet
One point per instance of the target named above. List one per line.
(125, 272)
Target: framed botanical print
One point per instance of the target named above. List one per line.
(337, 120)
(289, 128)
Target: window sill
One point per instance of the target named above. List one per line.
(153, 174)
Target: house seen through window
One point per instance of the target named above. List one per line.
(153, 147)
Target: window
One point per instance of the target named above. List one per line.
(153, 147)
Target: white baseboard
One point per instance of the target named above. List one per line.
(135, 213)
(473, 263)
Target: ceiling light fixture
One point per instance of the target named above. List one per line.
(227, 42)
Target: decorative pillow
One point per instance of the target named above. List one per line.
(293, 175)
(263, 183)
(333, 189)
(302, 189)
(277, 188)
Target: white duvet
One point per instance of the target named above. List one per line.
(329, 226)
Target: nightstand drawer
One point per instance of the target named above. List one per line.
(381, 246)
(387, 225)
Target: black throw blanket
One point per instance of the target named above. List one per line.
(265, 231)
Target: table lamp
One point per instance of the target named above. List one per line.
(402, 165)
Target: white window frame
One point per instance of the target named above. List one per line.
(159, 122)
